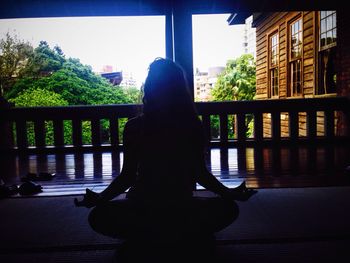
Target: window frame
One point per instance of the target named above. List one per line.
(290, 60)
(274, 32)
(328, 46)
(319, 50)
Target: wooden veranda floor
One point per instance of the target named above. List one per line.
(301, 166)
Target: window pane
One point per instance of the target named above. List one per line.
(329, 23)
(328, 26)
(323, 39)
(296, 39)
(329, 37)
(334, 35)
(295, 68)
(323, 25)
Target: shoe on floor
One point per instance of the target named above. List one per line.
(29, 188)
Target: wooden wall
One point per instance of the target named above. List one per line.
(278, 22)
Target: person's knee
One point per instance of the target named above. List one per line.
(95, 219)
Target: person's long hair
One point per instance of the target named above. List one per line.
(166, 91)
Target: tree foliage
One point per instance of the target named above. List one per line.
(48, 69)
(237, 81)
(38, 97)
(14, 55)
(43, 76)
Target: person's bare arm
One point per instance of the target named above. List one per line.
(208, 180)
(127, 176)
(211, 183)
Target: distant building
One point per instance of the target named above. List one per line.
(114, 77)
(249, 43)
(204, 82)
(128, 80)
(107, 69)
(249, 38)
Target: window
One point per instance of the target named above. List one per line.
(273, 64)
(295, 56)
(326, 56)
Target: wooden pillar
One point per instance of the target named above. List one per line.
(182, 39)
(6, 127)
(169, 40)
(343, 64)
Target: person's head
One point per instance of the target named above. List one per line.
(166, 89)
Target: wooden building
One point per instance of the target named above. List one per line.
(298, 57)
(115, 78)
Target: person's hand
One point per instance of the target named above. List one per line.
(89, 200)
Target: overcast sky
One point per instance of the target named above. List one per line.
(128, 43)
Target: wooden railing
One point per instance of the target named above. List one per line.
(16, 120)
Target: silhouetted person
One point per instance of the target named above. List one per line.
(163, 160)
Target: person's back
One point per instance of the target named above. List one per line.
(167, 163)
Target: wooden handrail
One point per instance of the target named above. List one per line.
(113, 113)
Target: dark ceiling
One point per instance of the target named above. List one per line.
(50, 8)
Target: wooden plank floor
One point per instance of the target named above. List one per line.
(261, 167)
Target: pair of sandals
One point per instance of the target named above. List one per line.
(26, 188)
(29, 187)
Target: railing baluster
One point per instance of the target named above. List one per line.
(241, 158)
(241, 128)
(39, 130)
(329, 124)
(58, 133)
(95, 132)
(223, 129)
(206, 126)
(293, 125)
(114, 131)
(21, 134)
(77, 132)
(258, 127)
(311, 124)
(276, 126)
(239, 109)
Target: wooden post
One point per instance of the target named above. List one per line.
(6, 128)
(183, 50)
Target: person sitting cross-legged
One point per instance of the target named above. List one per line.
(164, 158)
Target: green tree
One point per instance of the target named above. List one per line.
(40, 97)
(236, 82)
(48, 78)
(14, 56)
(78, 85)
